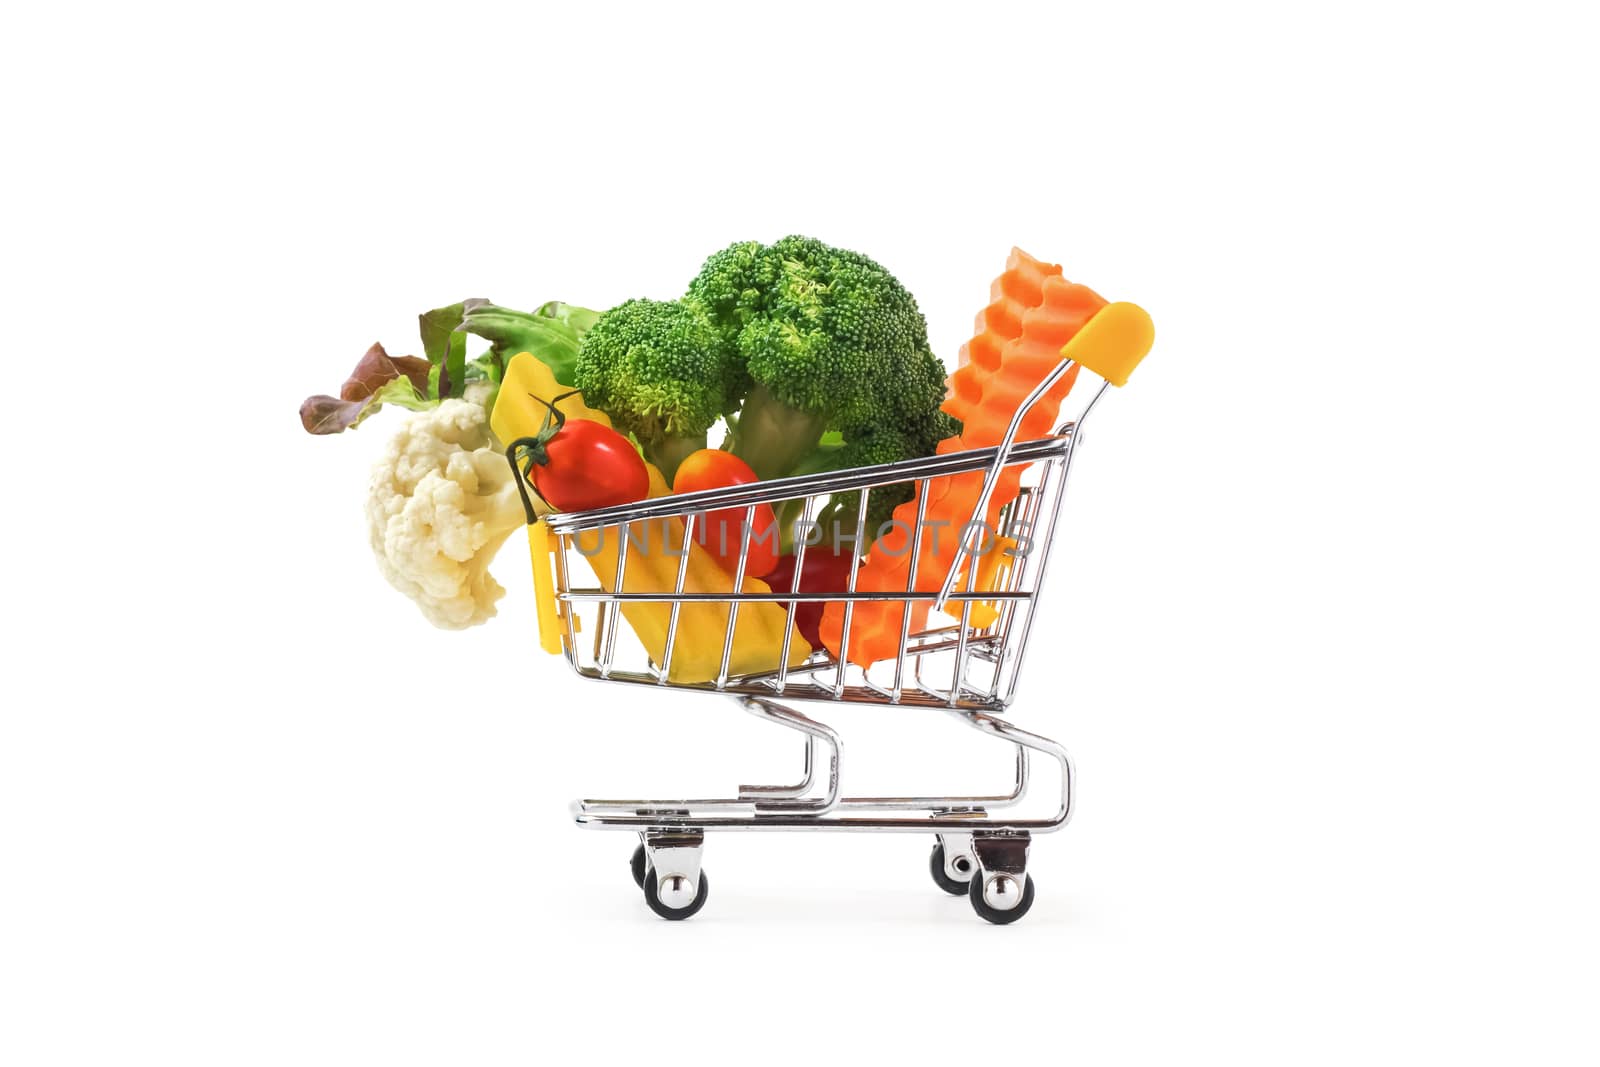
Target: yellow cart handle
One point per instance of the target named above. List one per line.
(1113, 342)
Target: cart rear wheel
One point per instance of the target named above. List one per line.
(941, 877)
(652, 897)
(1002, 889)
(637, 864)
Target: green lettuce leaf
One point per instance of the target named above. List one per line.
(550, 340)
(402, 393)
(580, 319)
(445, 345)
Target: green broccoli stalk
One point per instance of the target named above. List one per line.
(663, 374)
(828, 339)
(867, 449)
(773, 435)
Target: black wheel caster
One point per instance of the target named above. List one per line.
(652, 897)
(638, 866)
(1000, 916)
(943, 879)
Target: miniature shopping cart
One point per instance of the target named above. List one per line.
(968, 667)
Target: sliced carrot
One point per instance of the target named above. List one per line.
(1033, 312)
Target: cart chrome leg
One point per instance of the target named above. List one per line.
(773, 798)
(666, 813)
(953, 813)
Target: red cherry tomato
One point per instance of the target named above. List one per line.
(722, 532)
(587, 465)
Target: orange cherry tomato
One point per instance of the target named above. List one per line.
(722, 532)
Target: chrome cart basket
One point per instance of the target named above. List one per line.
(966, 661)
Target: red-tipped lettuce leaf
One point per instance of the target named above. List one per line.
(378, 379)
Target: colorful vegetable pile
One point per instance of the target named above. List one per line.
(789, 358)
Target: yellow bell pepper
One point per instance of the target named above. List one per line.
(516, 411)
(994, 567)
(654, 549)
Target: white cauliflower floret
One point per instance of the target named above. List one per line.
(441, 503)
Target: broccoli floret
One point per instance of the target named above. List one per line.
(869, 448)
(733, 286)
(663, 374)
(828, 339)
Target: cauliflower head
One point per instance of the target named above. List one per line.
(441, 502)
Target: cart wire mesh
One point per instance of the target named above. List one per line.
(968, 656)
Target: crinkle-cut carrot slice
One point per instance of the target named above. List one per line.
(1011, 295)
(1032, 313)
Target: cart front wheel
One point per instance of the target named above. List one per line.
(674, 906)
(941, 877)
(637, 866)
(998, 898)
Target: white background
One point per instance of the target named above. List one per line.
(1325, 654)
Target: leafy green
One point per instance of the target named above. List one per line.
(551, 338)
(444, 371)
(402, 393)
(378, 378)
(444, 343)
(580, 319)
(486, 368)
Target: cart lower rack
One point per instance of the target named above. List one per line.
(967, 667)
